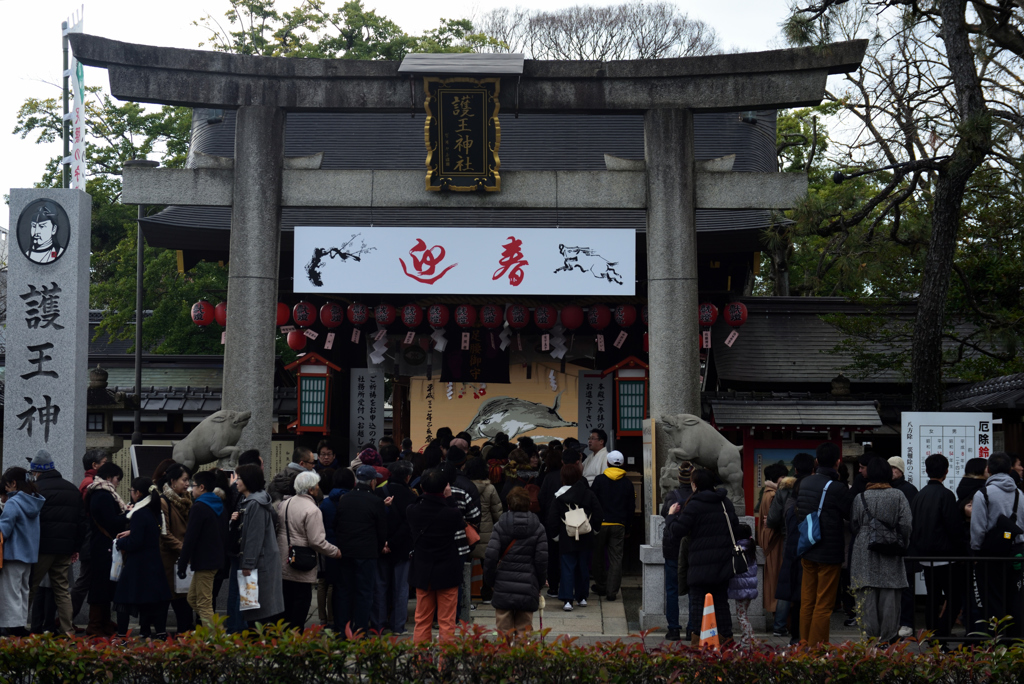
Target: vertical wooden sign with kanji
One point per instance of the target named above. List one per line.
(462, 134)
(47, 336)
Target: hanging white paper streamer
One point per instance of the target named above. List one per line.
(505, 337)
(380, 345)
(439, 339)
(558, 342)
(450, 392)
(553, 380)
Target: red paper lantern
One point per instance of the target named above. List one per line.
(297, 340)
(707, 314)
(283, 313)
(202, 313)
(437, 315)
(358, 313)
(735, 314)
(643, 314)
(625, 315)
(599, 316)
(490, 316)
(545, 316)
(220, 314)
(572, 317)
(518, 316)
(412, 315)
(332, 315)
(304, 314)
(465, 315)
(384, 313)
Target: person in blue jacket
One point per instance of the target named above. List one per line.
(19, 524)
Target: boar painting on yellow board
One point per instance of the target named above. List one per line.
(543, 407)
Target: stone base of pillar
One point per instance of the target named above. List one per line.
(652, 605)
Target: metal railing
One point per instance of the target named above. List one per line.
(985, 594)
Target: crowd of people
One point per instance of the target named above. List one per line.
(358, 535)
(861, 543)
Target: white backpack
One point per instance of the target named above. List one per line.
(577, 522)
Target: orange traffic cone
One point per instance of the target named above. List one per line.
(709, 625)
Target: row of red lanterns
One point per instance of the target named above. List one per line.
(545, 316)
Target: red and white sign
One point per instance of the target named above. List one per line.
(477, 261)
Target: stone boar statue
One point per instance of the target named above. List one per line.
(214, 439)
(692, 439)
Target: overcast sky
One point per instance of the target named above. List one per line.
(31, 49)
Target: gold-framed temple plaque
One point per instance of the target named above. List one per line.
(462, 133)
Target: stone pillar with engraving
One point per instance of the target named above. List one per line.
(47, 337)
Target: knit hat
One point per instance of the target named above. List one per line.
(685, 472)
(897, 462)
(456, 456)
(615, 458)
(366, 473)
(41, 461)
(370, 457)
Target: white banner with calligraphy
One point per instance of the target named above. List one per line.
(596, 407)
(958, 436)
(366, 408)
(483, 261)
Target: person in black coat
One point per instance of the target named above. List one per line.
(515, 564)
(938, 531)
(973, 479)
(574, 553)
(392, 595)
(706, 520)
(439, 544)
(670, 551)
(142, 590)
(62, 526)
(822, 563)
(551, 483)
(107, 519)
(361, 528)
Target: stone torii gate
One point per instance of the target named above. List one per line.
(670, 187)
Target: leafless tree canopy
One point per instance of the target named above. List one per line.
(633, 30)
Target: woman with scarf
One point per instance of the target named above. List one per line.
(520, 473)
(878, 579)
(142, 590)
(107, 518)
(19, 524)
(175, 505)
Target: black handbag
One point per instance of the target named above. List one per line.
(739, 557)
(883, 538)
(302, 558)
(999, 540)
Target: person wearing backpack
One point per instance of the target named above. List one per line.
(824, 499)
(997, 522)
(882, 523)
(616, 491)
(575, 513)
(515, 564)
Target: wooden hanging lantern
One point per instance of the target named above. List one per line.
(632, 396)
(314, 374)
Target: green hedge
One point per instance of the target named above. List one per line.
(274, 655)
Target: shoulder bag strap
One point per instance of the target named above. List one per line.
(287, 527)
(728, 523)
(864, 502)
(1016, 499)
(821, 503)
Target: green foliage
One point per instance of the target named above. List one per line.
(274, 655)
(256, 27)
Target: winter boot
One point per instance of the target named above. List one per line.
(96, 626)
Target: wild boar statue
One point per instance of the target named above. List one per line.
(692, 439)
(214, 439)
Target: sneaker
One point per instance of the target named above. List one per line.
(850, 622)
(472, 606)
(553, 593)
(583, 603)
(780, 632)
(487, 602)
(596, 589)
(567, 607)
(906, 632)
(672, 635)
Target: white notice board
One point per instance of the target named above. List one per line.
(958, 436)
